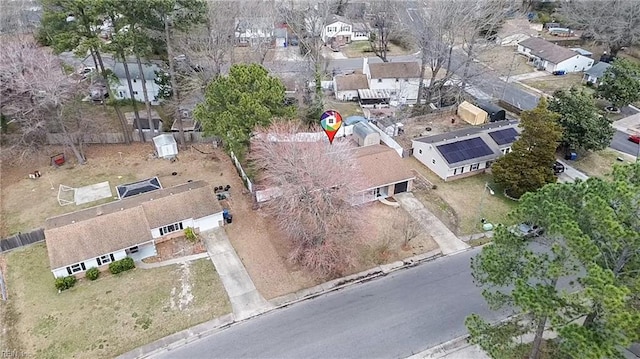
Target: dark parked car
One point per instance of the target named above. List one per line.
(558, 168)
(527, 230)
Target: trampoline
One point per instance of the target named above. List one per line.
(144, 186)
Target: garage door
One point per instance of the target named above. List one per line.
(400, 187)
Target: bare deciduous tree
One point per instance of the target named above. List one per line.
(614, 23)
(407, 226)
(37, 92)
(316, 183)
(384, 24)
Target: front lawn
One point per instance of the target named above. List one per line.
(550, 84)
(109, 316)
(461, 203)
(600, 163)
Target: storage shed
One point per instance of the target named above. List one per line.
(472, 114)
(495, 112)
(365, 134)
(166, 146)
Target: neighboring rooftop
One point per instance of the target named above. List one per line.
(466, 132)
(149, 71)
(598, 69)
(394, 70)
(547, 50)
(135, 188)
(372, 158)
(351, 82)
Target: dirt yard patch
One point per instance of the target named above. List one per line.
(460, 204)
(420, 126)
(392, 226)
(106, 317)
(549, 84)
(359, 49)
(505, 60)
(600, 163)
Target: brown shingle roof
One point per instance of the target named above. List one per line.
(381, 165)
(85, 234)
(547, 50)
(351, 82)
(394, 70)
(92, 238)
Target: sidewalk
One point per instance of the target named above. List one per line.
(628, 124)
(245, 299)
(448, 242)
(169, 262)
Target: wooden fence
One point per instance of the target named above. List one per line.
(118, 137)
(21, 239)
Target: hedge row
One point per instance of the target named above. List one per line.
(122, 265)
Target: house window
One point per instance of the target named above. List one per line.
(379, 80)
(462, 169)
(433, 161)
(420, 151)
(134, 81)
(171, 228)
(475, 166)
(345, 28)
(133, 250)
(107, 258)
(76, 268)
(135, 92)
(397, 79)
(406, 80)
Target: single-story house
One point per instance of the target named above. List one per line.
(401, 79)
(345, 87)
(97, 236)
(340, 31)
(396, 177)
(121, 88)
(465, 152)
(595, 74)
(550, 57)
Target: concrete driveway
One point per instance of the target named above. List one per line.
(570, 174)
(447, 241)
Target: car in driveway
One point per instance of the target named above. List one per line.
(558, 168)
(526, 230)
(634, 138)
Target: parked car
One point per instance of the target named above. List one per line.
(634, 138)
(527, 230)
(558, 168)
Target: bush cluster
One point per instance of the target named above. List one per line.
(93, 273)
(122, 265)
(190, 235)
(65, 283)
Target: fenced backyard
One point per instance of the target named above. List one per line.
(21, 239)
(118, 137)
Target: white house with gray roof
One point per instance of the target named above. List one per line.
(550, 57)
(596, 73)
(465, 152)
(121, 88)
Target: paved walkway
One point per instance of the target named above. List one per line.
(447, 241)
(244, 297)
(628, 124)
(527, 76)
(169, 262)
(570, 174)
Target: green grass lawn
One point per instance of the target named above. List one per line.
(461, 203)
(600, 163)
(106, 317)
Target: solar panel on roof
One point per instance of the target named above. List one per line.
(464, 150)
(502, 137)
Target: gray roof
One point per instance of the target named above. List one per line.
(465, 132)
(351, 120)
(149, 71)
(547, 50)
(335, 18)
(598, 69)
(363, 129)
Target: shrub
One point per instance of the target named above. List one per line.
(93, 273)
(65, 283)
(122, 265)
(190, 235)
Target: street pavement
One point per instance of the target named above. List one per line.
(395, 316)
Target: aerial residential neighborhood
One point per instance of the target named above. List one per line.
(320, 179)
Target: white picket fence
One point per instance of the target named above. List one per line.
(243, 174)
(388, 140)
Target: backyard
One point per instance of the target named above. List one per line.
(504, 60)
(461, 203)
(106, 317)
(359, 49)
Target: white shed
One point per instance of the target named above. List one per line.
(166, 146)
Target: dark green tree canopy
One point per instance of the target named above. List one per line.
(621, 83)
(592, 240)
(583, 126)
(529, 165)
(235, 104)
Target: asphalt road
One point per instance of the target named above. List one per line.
(390, 317)
(621, 143)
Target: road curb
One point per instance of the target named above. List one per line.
(199, 331)
(443, 349)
